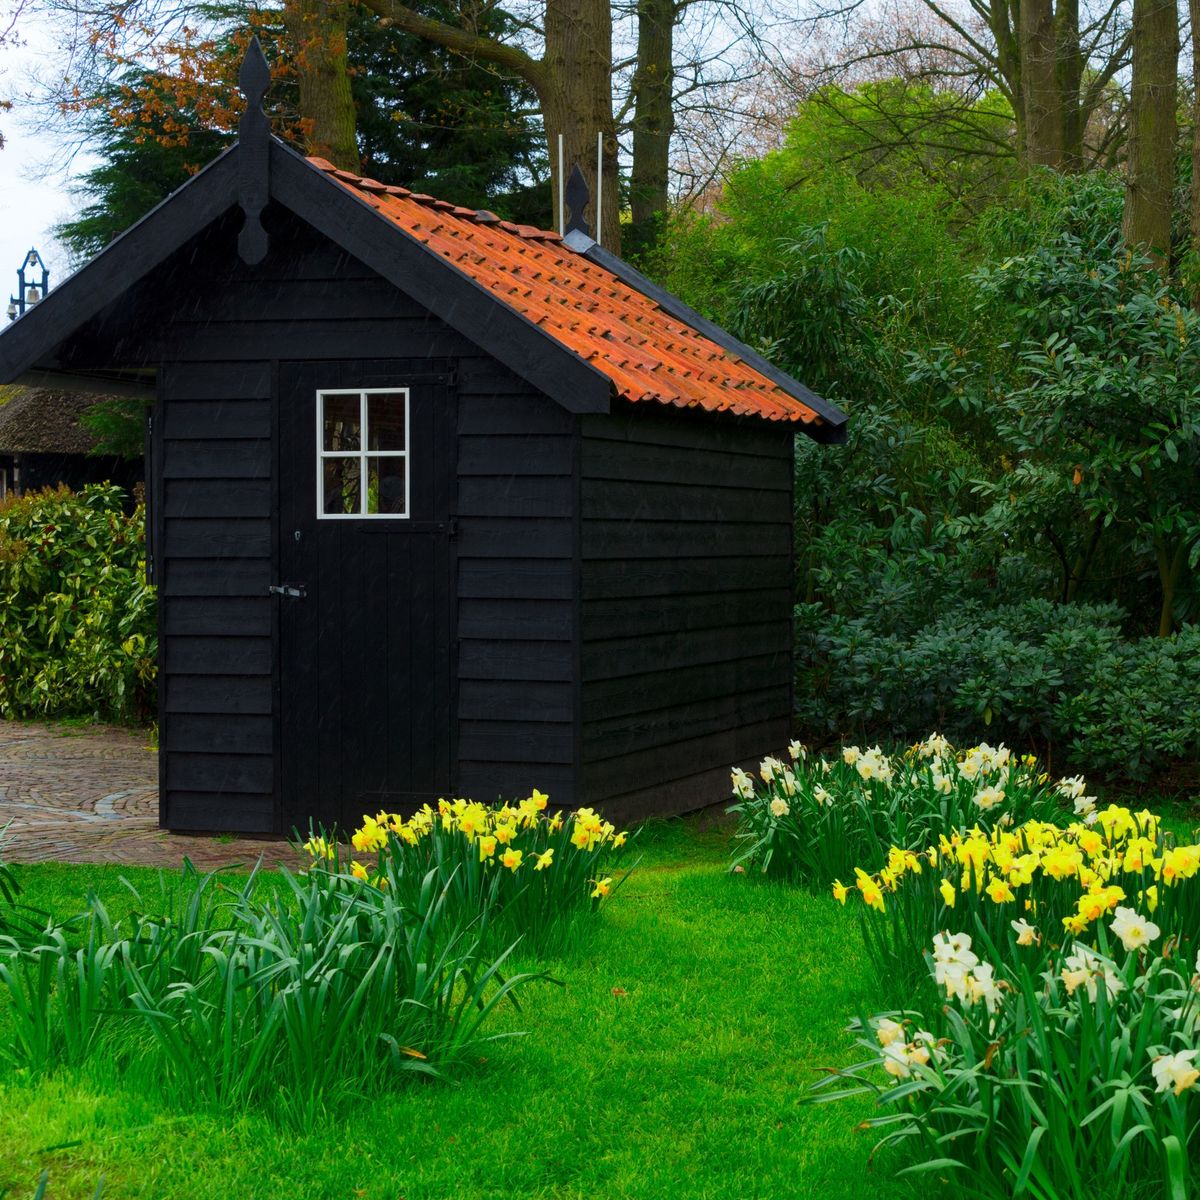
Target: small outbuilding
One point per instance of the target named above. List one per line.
(44, 443)
(439, 504)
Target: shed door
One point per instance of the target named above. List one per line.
(366, 479)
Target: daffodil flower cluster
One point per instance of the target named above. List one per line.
(812, 819)
(535, 865)
(1066, 879)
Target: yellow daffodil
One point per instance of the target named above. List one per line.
(602, 889)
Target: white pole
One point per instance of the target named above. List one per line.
(599, 181)
(562, 207)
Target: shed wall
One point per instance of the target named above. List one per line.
(215, 513)
(686, 604)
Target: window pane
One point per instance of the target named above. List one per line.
(385, 421)
(342, 481)
(342, 417)
(385, 485)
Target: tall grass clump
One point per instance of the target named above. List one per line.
(516, 869)
(19, 923)
(813, 821)
(294, 998)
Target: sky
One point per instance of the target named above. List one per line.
(36, 169)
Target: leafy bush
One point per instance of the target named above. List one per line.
(814, 821)
(1057, 1077)
(293, 998)
(77, 622)
(518, 871)
(1062, 678)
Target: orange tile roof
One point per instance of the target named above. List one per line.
(648, 354)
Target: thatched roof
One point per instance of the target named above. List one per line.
(41, 421)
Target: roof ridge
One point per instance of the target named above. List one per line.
(478, 216)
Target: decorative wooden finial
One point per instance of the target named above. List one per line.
(577, 198)
(254, 154)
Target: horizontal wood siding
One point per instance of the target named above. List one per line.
(217, 327)
(516, 588)
(686, 600)
(215, 530)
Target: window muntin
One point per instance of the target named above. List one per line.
(362, 453)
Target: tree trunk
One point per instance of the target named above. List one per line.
(653, 119)
(1194, 13)
(1150, 175)
(1069, 74)
(1170, 569)
(1040, 87)
(573, 82)
(317, 32)
(576, 96)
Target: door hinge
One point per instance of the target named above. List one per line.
(294, 590)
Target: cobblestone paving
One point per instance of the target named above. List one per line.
(90, 795)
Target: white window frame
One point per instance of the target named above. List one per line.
(362, 453)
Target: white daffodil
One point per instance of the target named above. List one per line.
(1133, 930)
(1175, 1072)
(851, 755)
(743, 785)
(797, 752)
(1084, 805)
(768, 767)
(1027, 935)
(1073, 788)
(887, 1031)
(1084, 968)
(779, 808)
(988, 797)
(822, 796)
(895, 1059)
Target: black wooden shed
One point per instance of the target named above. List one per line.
(439, 504)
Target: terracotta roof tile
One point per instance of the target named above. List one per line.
(649, 354)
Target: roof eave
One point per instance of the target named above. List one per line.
(128, 258)
(831, 426)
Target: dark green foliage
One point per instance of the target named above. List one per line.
(1024, 437)
(77, 622)
(134, 174)
(1062, 679)
(436, 122)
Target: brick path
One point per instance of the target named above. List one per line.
(90, 795)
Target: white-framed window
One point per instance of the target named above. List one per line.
(362, 453)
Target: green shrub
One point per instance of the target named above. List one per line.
(816, 821)
(77, 622)
(295, 998)
(1059, 677)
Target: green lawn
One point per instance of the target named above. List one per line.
(670, 1064)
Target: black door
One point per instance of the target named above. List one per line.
(366, 485)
